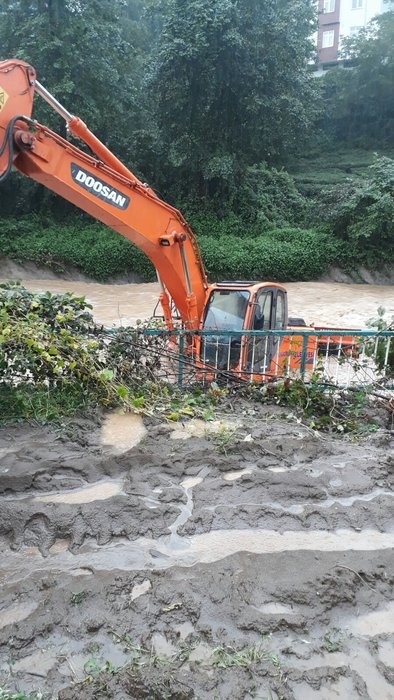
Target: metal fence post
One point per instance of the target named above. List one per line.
(303, 356)
(181, 360)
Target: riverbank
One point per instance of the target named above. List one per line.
(13, 270)
(229, 249)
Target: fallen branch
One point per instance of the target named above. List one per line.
(342, 566)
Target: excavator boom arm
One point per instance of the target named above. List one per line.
(102, 187)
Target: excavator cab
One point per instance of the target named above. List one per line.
(237, 306)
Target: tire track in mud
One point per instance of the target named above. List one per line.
(285, 540)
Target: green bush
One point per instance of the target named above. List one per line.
(95, 250)
(281, 254)
(263, 235)
(209, 224)
(362, 211)
(270, 198)
(265, 198)
(284, 255)
(54, 360)
(49, 340)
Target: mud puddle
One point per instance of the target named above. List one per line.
(360, 666)
(375, 623)
(233, 476)
(150, 555)
(16, 613)
(122, 431)
(87, 494)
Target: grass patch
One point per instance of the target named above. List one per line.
(312, 173)
(227, 657)
(6, 694)
(78, 598)
(43, 404)
(222, 657)
(333, 642)
(224, 439)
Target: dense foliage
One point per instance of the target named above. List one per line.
(49, 341)
(224, 73)
(279, 254)
(286, 254)
(212, 101)
(96, 251)
(362, 212)
(359, 102)
(54, 361)
(80, 50)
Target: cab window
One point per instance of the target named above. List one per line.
(226, 310)
(263, 312)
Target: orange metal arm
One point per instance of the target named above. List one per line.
(104, 188)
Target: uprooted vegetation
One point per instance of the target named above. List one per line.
(55, 361)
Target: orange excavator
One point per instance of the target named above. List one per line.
(103, 187)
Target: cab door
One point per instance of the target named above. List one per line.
(269, 313)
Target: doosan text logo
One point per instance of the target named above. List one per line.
(98, 188)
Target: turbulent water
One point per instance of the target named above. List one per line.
(321, 303)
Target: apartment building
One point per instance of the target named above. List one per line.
(341, 18)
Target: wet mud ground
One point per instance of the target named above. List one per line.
(248, 558)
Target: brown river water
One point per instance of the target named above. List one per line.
(321, 303)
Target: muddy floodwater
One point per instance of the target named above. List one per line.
(140, 560)
(322, 303)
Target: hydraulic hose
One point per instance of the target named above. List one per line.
(8, 141)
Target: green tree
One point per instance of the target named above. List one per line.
(83, 55)
(358, 103)
(363, 211)
(230, 88)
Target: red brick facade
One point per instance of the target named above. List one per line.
(328, 22)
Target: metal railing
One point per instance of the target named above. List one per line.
(343, 358)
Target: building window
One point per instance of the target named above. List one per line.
(327, 39)
(354, 30)
(357, 4)
(328, 6)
